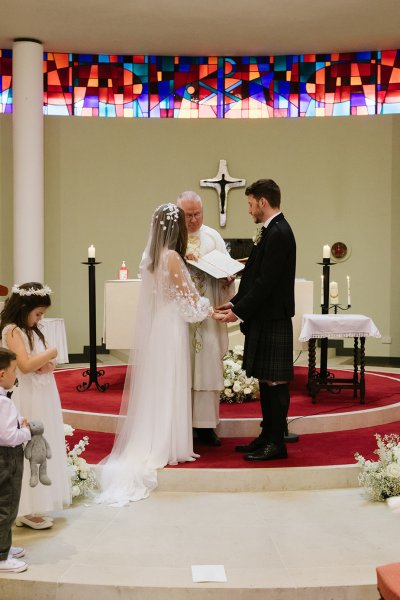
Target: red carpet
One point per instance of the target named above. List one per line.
(336, 448)
(381, 389)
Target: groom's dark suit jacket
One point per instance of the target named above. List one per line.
(266, 290)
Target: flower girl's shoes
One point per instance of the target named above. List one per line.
(34, 522)
(12, 565)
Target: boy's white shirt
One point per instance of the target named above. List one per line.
(10, 434)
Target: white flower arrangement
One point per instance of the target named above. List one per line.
(237, 386)
(83, 479)
(381, 478)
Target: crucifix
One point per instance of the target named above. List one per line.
(222, 183)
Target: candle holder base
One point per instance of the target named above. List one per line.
(337, 307)
(92, 374)
(290, 437)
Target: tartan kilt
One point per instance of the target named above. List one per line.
(268, 350)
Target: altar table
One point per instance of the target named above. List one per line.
(317, 326)
(121, 300)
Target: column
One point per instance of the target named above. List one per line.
(28, 160)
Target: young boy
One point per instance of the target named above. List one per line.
(14, 431)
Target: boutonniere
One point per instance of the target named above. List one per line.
(257, 236)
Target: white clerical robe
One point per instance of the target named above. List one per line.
(209, 339)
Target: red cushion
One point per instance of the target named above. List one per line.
(389, 581)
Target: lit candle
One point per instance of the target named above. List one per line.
(348, 291)
(326, 251)
(91, 252)
(322, 290)
(334, 292)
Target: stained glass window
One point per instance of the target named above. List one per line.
(309, 85)
(5, 81)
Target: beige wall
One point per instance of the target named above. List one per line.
(104, 177)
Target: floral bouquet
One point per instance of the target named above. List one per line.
(381, 478)
(237, 386)
(83, 479)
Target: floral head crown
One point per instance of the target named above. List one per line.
(170, 213)
(44, 291)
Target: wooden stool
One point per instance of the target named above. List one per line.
(389, 581)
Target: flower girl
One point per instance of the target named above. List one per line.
(36, 397)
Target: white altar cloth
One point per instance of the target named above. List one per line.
(337, 326)
(54, 333)
(120, 306)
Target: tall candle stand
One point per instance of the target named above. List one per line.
(326, 265)
(93, 373)
(325, 307)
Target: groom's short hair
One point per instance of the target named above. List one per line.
(265, 188)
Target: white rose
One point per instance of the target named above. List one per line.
(83, 474)
(227, 383)
(393, 470)
(238, 349)
(237, 387)
(228, 392)
(247, 390)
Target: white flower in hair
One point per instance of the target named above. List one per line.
(44, 291)
(172, 212)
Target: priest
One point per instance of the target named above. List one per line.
(209, 339)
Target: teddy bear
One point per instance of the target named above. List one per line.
(37, 451)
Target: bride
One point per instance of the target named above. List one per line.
(156, 419)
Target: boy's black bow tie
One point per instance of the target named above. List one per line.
(9, 394)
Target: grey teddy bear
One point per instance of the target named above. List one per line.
(37, 451)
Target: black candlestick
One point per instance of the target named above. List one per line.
(326, 264)
(325, 307)
(93, 373)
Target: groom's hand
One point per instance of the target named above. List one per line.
(224, 307)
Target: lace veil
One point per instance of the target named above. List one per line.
(166, 289)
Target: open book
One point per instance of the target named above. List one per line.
(217, 264)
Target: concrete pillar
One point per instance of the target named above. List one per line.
(28, 161)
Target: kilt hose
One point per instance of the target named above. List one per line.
(268, 351)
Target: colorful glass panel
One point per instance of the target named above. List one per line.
(5, 81)
(181, 87)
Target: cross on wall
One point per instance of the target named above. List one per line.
(222, 183)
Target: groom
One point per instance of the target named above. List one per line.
(265, 306)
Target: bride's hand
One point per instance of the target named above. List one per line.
(217, 316)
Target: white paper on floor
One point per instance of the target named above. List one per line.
(204, 573)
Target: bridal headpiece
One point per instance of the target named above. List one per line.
(44, 291)
(170, 213)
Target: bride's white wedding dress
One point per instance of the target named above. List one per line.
(157, 428)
